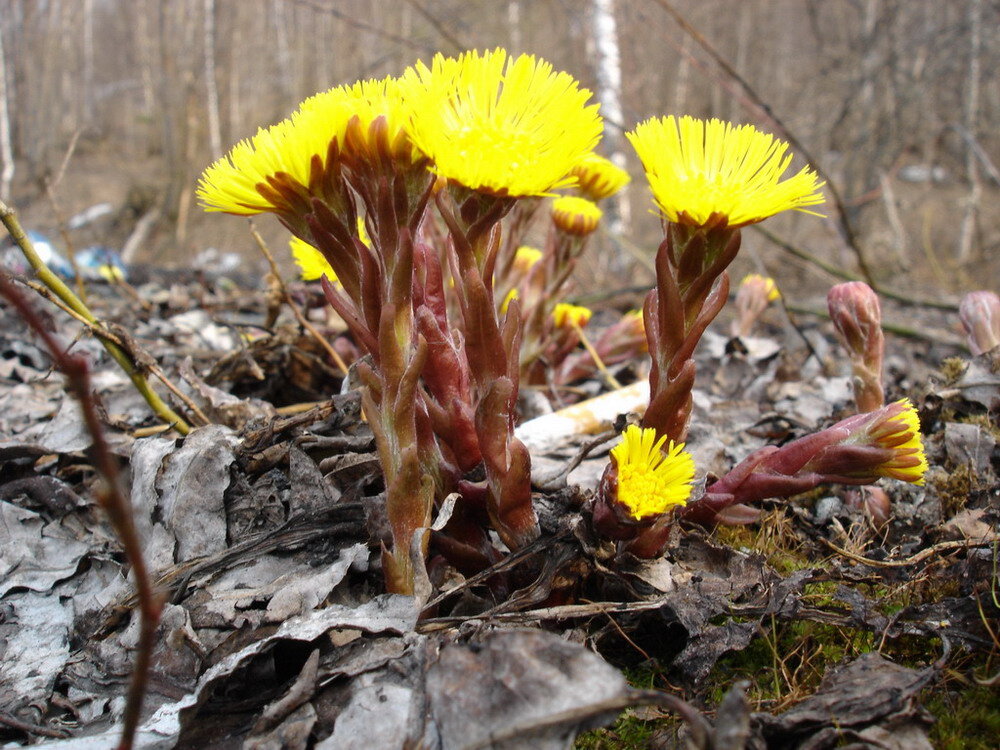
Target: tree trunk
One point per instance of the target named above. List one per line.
(609, 84)
(6, 149)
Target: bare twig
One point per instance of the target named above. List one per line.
(843, 224)
(917, 558)
(905, 299)
(111, 498)
(9, 218)
(287, 299)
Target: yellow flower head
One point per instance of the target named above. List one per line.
(526, 257)
(576, 216)
(566, 315)
(716, 173)
(511, 296)
(295, 148)
(899, 431)
(311, 261)
(636, 325)
(378, 131)
(499, 125)
(651, 480)
(597, 177)
(765, 283)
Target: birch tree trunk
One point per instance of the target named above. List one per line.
(968, 231)
(6, 149)
(609, 84)
(211, 87)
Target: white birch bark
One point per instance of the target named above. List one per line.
(211, 87)
(968, 230)
(609, 84)
(6, 148)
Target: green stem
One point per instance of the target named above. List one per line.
(9, 218)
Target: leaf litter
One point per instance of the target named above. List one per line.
(275, 633)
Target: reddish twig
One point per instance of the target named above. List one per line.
(111, 498)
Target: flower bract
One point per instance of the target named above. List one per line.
(707, 173)
(651, 480)
(499, 125)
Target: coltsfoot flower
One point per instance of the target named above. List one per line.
(713, 173)
(565, 315)
(651, 479)
(896, 429)
(312, 263)
(265, 173)
(599, 178)
(526, 257)
(765, 283)
(505, 126)
(576, 216)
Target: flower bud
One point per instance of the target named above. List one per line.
(576, 216)
(525, 258)
(566, 315)
(751, 300)
(857, 317)
(598, 177)
(980, 316)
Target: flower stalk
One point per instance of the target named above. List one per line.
(858, 450)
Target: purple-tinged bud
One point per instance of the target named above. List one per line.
(980, 316)
(857, 316)
(754, 294)
(874, 502)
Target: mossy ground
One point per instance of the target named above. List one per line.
(788, 659)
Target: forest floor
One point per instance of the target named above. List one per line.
(816, 627)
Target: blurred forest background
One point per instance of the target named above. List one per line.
(897, 102)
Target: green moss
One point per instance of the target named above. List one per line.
(966, 720)
(628, 733)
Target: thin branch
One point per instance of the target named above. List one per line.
(111, 498)
(287, 299)
(843, 224)
(9, 218)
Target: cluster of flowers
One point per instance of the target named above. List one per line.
(396, 189)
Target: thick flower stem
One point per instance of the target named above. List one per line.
(691, 288)
(490, 350)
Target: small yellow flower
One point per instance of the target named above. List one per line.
(498, 125)
(526, 257)
(576, 216)
(511, 296)
(900, 433)
(651, 480)
(766, 282)
(297, 150)
(566, 315)
(716, 173)
(598, 177)
(311, 261)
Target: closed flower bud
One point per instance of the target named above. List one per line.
(980, 316)
(857, 317)
(576, 216)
